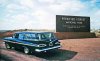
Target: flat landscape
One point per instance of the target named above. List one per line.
(87, 49)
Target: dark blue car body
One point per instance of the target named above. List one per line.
(32, 41)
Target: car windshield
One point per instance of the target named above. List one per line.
(46, 35)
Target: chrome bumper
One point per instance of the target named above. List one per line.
(40, 50)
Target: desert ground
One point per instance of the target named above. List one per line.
(87, 49)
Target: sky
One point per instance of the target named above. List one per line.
(41, 14)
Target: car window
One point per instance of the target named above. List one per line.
(30, 36)
(21, 36)
(46, 35)
(16, 35)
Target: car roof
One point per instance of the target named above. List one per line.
(32, 32)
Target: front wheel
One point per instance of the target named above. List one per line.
(26, 50)
(8, 46)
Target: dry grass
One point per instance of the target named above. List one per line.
(97, 34)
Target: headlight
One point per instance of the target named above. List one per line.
(41, 45)
(57, 43)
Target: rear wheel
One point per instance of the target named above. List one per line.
(26, 50)
(8, 46)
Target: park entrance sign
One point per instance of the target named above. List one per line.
(72, 23)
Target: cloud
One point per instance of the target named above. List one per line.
(20, 21)
(47, 1)
(27, 3)
(40, 14)
(95, 19)
(2, 1)
(67, 5)
(97, 14)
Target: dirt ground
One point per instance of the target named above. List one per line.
(72, 50)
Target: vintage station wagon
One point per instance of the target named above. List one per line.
(32, 41)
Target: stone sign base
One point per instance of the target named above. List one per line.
(74, 35)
